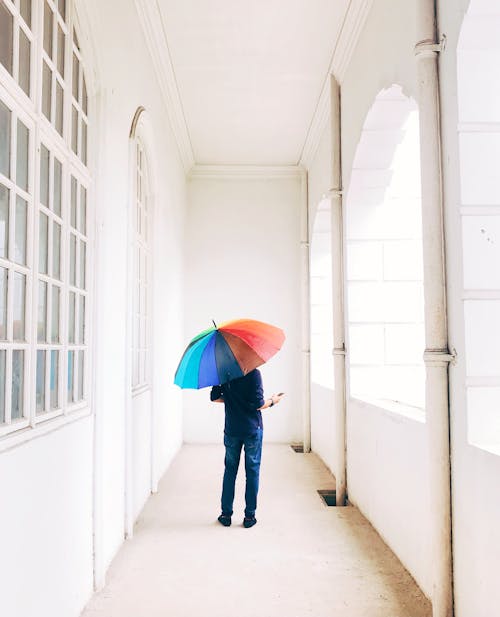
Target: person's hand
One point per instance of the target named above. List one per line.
(276, 398)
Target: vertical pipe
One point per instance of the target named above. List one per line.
(436, 356)
(306, 321)
(337, 250)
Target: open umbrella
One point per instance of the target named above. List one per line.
(227, 352)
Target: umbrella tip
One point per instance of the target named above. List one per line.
(214, 323)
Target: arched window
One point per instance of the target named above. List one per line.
(44, 183)
(384, 257)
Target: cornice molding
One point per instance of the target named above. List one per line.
(152, 24)
(354, 21)
(247, 171)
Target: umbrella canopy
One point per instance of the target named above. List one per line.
(227, 352)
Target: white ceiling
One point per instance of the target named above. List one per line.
(249, 73)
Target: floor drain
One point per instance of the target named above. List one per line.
(328, 496)
(297, 447)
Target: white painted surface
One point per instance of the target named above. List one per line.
(315, 560)
(242, 260)
(387, 450)
(259, 69)
(46, 524)
(49, 500)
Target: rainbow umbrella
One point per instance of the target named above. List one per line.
(227, 352)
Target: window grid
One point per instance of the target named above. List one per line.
(16, 205)
(141, 257)
(16, 19)
(35, 202)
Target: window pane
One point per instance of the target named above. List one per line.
(54, 379)
(24, 61)
(74, 130)
(60, 50)
(20, 233)
(71, 324)
(46, 91)
(84, 143)
(4, 220)
(59, 108)
(42, 312)
(81, 338)
(26, 11)
(81, 362)
(22, 155)
(56, 251)
(56, 205)
(17, 384)
(71, 355)
(61, 5)
(3, 304)
(6, 32)
(19, 306)
(5, 115)
(56, 295)
(85, 98)
(76, 77)
(83, 210)
(74, 188)
(40, 381)
(72, 260)
(2, 386)
(47, 30)
(83, 257)
(44, 176)
(43, 244)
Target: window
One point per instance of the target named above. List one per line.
(141, 283)
(44, 184)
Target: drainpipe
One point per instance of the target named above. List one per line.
(436, 355)
(337, 250)
(306, 320)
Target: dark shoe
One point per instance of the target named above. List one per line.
(249, 521)
(224, 520)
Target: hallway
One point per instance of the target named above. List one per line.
(302, 558)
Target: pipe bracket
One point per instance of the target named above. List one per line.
(334, 192)
(339, 351)
(430, 47)
(440, 356)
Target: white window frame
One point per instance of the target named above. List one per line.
(29, 110)
(142, 275)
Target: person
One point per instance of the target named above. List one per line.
(243, 400)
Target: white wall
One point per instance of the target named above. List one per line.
(243, 260)
(127, 81)
(50, 504)
(476, 499)
(387, 458)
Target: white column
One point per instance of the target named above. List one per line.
(436, 355)
(306, 320)
(337, 249)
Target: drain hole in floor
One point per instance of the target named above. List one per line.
(328, 496)
(297, 447)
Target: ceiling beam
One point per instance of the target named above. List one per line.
(152, 24)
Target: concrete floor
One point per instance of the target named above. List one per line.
(302, 558)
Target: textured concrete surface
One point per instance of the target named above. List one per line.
(302, 558)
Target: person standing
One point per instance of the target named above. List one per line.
(243, 400)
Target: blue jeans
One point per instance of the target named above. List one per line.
(253, 452)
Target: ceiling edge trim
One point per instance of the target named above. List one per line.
(351, 30)
(247, 171)
(156, 41)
